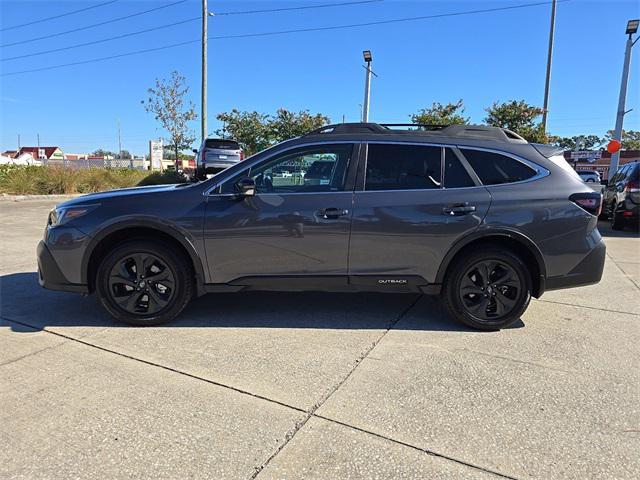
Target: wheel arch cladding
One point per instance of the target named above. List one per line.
(116, 234)
(515, 242)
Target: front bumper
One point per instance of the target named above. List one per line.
(587, 272)
(50, 276)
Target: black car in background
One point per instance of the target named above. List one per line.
(475, 214)
(621, 202)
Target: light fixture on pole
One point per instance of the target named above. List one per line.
(367, 85)
(632, 28)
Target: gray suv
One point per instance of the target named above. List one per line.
(474, 214)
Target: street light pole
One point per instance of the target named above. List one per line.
(367, 86)
(632, 27)
(552, 30)
(203, 113)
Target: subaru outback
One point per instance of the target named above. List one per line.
(474, 214)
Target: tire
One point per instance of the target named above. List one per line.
(590, 180)
(617, 220)
(136, 299)
(469, 308)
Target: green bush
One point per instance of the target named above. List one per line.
(168, 177)
(33, 180)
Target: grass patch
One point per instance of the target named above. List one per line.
(33, 180)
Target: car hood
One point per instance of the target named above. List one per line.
(121, 192)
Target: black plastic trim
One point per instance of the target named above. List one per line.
(50, 276)
(587, 272)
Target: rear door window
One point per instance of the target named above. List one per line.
(455, 175)
(495, 169)
(403, 167)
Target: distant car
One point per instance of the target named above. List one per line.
(621, 202)
(216, 154)
(590, 176)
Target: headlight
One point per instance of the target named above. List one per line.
(61, 215)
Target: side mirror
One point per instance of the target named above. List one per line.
(195, 150)
(246, 187)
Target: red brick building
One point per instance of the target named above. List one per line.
(602, 164)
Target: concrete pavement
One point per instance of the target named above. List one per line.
(263, 385)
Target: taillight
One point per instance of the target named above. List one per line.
(632, 186)
(591, 202)
(241, 155)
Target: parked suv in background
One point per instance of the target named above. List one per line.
(589, 176)
(475, 214)
(216, 154)
(622, 197)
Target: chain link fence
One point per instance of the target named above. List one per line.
(135, 163)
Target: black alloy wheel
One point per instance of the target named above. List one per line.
(141, 284)
(145, 282)
(488, 288)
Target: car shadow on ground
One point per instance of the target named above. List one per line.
(29, 307)
(606, 231)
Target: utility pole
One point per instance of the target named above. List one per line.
(119, 141)
(203, 113)
(18, 142)
(632, 27)
(552, 29)
(367, 86)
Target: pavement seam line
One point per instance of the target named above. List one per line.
(624, 273)
(310, 413)
(326, 396)
(164, 367)
(586, 306)
(432, 453)
(9, 362)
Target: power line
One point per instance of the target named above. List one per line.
(139, 32)
(284, 32)
(87, 27)
(305, 7)
(94, 42)
(58, 16)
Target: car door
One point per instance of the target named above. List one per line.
(404, 219)
(290, 228)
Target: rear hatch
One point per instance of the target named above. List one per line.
(221, 152)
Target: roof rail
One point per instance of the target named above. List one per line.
(414, 126)
(466, 131)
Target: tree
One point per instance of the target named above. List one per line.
(439, 114)
(286, 124)
(256, 131)
(103, 153)
(249, 129)
(168, 103)
(630, 139)
(125, 154)
(517, 116)
(578, 142)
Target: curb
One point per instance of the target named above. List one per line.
(18, 198)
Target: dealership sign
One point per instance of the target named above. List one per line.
(155, 154)
(588, 155)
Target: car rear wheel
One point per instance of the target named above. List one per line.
(488, 290)
(144, 283)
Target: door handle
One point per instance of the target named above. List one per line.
(458, 209)
(332, 213)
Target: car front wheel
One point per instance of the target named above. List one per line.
(487, 290)
(144, 283)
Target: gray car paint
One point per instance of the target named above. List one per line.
(392, 233)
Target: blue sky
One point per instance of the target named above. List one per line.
(480, 58)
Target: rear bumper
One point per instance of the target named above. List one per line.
(587, 272)
(50, 276)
